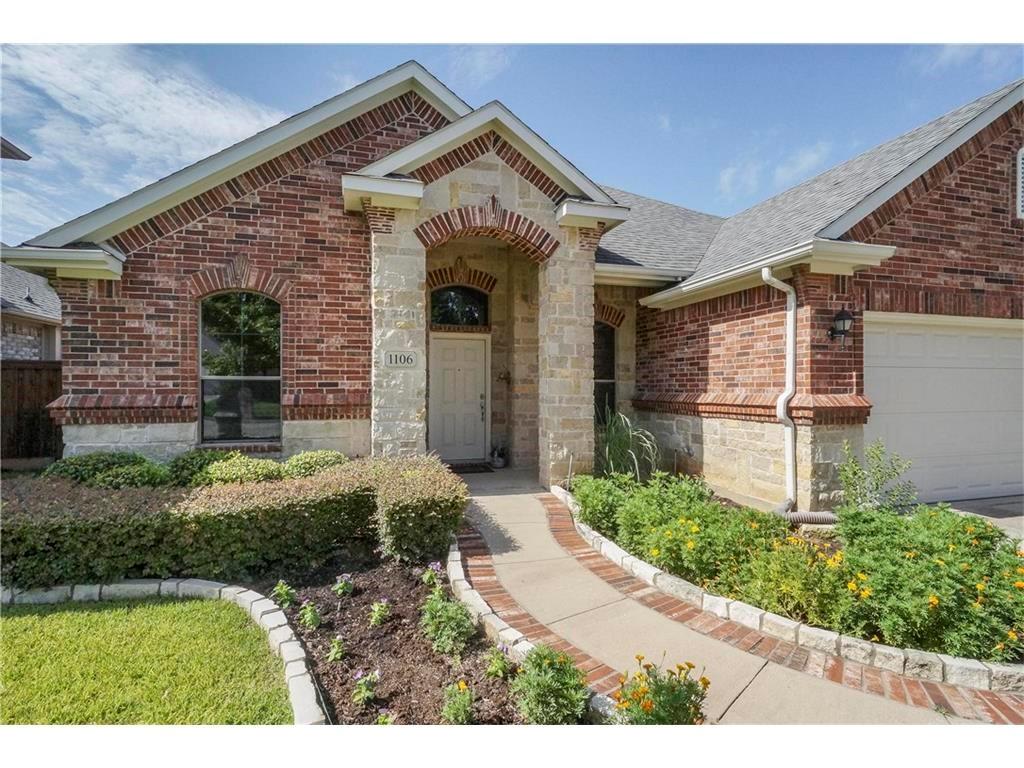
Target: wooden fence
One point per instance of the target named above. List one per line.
(26, 387)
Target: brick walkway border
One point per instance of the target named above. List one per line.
(969, 703)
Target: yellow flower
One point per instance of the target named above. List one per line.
(648, 705)
(639, 658)
(875, 638)
(1020, 569)
(704, 682)
(865, 593)
(852, 586)
(622, 679)
(462, 685)
(1019, 584)
(655, 552)
(862, 576)
(1012, 635)
(690, 665)
(974, 542)
(970, 529)
(690, 544)
(1000, 646)
(939, 561)
(952, 547)
(754, 526)
(980, 587)
(910, 555)
(694, 529)
(933, 601)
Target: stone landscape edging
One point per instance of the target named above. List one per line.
(600, 705)
(307, 708)
(937, 667)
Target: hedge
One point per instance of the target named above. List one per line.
(58, 532)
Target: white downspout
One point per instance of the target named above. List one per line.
(782, 404)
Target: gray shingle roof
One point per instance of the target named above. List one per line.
(657, 235)
(798, 214)
(25, 293)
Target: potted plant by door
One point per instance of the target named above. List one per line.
(498, 456)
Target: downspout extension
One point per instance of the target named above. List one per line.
(787, 507)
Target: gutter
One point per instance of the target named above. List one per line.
(787, 508)
(625, 274)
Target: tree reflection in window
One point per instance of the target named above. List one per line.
(241, 367)
(458, 305)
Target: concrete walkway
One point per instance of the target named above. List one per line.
(585, 610)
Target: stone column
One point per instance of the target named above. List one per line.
(398, 410)
(566, 356)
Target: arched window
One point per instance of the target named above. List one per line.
(240, 367)
(604, 371)
(458, 305)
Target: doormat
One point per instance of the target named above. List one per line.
(470, 469)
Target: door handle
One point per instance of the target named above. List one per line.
(483, 408)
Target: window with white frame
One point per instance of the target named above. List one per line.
(240, 369)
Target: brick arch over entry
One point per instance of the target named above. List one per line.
(607, 314)
(460, 274)
(489, 220)
(239, 275)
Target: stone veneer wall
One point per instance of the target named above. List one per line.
(747, 457)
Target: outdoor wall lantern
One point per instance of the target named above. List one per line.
(842, 323)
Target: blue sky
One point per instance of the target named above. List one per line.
(715, 128)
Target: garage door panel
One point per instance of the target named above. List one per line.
(950, 399)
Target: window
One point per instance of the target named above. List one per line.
(458, 305)
(1020, 183)
(241, 367)
(604, 371)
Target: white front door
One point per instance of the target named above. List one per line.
(458, 408)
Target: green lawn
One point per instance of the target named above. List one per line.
(152, 661)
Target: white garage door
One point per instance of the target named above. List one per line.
(949, 397)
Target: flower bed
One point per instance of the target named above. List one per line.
(931, 580)
(386, 670)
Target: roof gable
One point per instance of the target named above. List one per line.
(200, 177)
(493, 117)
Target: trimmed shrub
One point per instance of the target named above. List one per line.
(184, 467)
(600, 498)
(550, 689)
(235, 530)
(238, 468)
(56, 531)
(420, 504)
(87, 466)
(446, 623)
(310, 462)
(144, 475)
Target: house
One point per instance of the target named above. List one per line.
(30, 316)
(393, 271)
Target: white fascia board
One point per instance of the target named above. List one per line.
(383, 192)
(41, 319)
(623, 274)
(81, 263)
(497, 117)
(195, 179)
(869, 204)
(1014, 326)
(585, 213)
(824, 256)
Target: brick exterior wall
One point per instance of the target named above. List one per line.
(280, 228)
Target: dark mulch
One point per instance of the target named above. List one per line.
(412, 675)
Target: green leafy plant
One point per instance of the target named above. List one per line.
(599, 500)
(385, 718)
(661, 500)
(141, 475)
(432, 574)
(877, 483)
(283, 595)
(87, 466)
(656, 696)
(498, 664)
(446, 623)
(239, 469)
(310, 463)
(185, 466)
(550, 689)
(365, 687)
(622, 447)
(337, 650)
(309, 615)
(380, 611)
(343, 586)
(458, 704)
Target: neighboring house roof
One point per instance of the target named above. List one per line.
(657, 235)
(27, 295)
(10, 152)
(195, 179)
(829, 204)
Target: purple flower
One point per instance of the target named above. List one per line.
(384, 600)
(436, 567)
(358, 675)
(502, 647)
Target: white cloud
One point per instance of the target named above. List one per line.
(346, 80)
(996, 61)
(741, 179)
(664, 123)
(798, 165)
(101, 121)
(472, 66)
